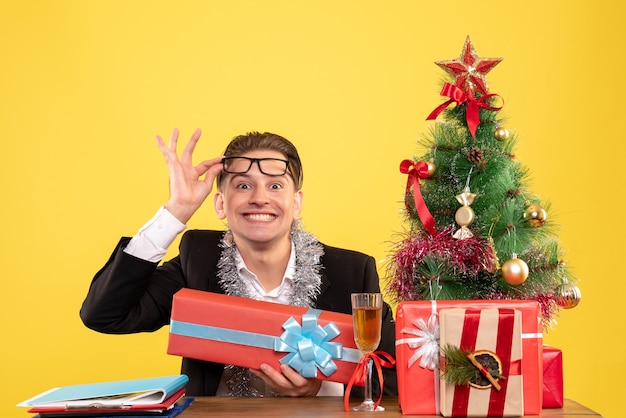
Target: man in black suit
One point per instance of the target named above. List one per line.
(264, 255)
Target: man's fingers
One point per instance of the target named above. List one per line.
(161, 144)
(174, 139)
(191, 146)
(293, 376)
(169, 150)
(211, 167)
(272, 377)
(167, 153)
(287, 381)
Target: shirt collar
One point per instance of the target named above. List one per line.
(252, 280)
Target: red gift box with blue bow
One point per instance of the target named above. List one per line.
(247, 332)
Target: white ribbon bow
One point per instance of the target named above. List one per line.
(427, 342)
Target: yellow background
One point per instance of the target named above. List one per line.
(85, 87)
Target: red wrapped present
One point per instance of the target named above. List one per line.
(552, 377)
(246, 332)
(492, 338)
(417, 352)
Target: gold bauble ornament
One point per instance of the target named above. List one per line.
(464, 215)
(567, 295)
(431, 168)
(501, 134)
(514, 270)
(535, 215)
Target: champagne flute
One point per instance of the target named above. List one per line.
(367, 315)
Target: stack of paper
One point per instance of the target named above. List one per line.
(156, 396)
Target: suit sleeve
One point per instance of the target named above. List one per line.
(130, 294)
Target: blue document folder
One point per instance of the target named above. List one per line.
(179, 407)
(118, 394)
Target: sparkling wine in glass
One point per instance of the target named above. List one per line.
(367, 315)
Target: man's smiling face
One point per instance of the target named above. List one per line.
(259, 208)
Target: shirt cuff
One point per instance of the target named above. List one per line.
(154, 238)
(329, 388)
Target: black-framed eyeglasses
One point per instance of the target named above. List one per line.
(267, 166)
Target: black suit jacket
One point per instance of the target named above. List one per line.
(131, 295)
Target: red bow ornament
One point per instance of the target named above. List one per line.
(418, 171)
(473, 105)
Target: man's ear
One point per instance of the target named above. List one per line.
(297, 206)
(218, 204)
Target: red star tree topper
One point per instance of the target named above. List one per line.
(469, 70)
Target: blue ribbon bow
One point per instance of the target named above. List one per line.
(309, 346)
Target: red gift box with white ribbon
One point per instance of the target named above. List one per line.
(417, 352)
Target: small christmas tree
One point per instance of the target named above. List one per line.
(475, 230)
